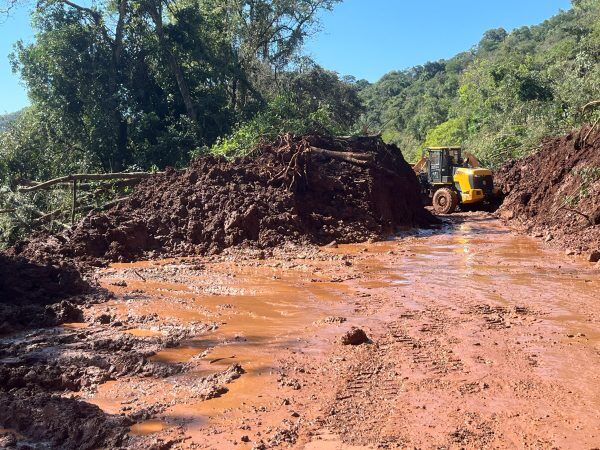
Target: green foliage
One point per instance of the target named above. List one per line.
(450, 133)
(285, 114)
(512, 90)
(589, 176)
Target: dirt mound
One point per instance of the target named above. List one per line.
(555, 193)
(52, 421)
(37, 294)
(308, 189)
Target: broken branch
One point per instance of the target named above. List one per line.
(588, 218)
(87, 177)
(352, 157)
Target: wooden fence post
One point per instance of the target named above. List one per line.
(74, 205)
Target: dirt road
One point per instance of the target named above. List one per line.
(479, 339)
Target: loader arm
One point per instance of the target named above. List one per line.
(473, 162)
(418, 167)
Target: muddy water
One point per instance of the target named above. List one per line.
(270, 309)
(260, 311)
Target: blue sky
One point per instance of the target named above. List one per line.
(364, 38)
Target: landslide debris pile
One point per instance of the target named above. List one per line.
(555, 193)
(309, 189)
(33, 294)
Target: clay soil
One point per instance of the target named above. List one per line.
(554, 194)
(476, 338)
(307, 189)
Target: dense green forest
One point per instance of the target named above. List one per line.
(500, 98)
(128, 85)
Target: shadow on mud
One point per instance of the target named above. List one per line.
(34, 294)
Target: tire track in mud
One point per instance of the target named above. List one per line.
(481, 365)
(414, 350)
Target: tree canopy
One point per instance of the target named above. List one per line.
(499, 98)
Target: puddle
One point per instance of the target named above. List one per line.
(147, 427)
(177, 354)
(260, 311)
(141, 332)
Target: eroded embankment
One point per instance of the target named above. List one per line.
(555, 193)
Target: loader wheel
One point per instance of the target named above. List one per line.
(445, 201)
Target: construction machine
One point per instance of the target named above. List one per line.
(450, 178)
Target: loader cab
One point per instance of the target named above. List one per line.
(441, 162)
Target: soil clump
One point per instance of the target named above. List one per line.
(40, 294)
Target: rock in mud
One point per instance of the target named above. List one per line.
(355, 336)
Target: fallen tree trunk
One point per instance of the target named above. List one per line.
(361, 159)
(87, 208)
(83, 186)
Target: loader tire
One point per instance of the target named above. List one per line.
(445, 201)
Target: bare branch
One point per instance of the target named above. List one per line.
(88, 177)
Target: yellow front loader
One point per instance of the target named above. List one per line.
(450, 179)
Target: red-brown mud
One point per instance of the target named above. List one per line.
(308, 189)
(477, 338)
(554, 194)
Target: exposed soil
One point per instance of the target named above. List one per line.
(308, 189)
(36, 294)
(554, 194)
(477, 338)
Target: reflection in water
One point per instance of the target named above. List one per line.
(147, 427)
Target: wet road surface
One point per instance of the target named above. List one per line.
(479, 339)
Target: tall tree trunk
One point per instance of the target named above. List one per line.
(174, 65)
(122, 156)
(234, 93)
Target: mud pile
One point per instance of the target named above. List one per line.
(37, 294)
(555, 193)
(308, 189)
(39, 370)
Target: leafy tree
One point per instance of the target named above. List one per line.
(315, 101)
(512, 90)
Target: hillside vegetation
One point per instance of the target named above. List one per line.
(130, 85)
(7, 119)
(500, 98)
